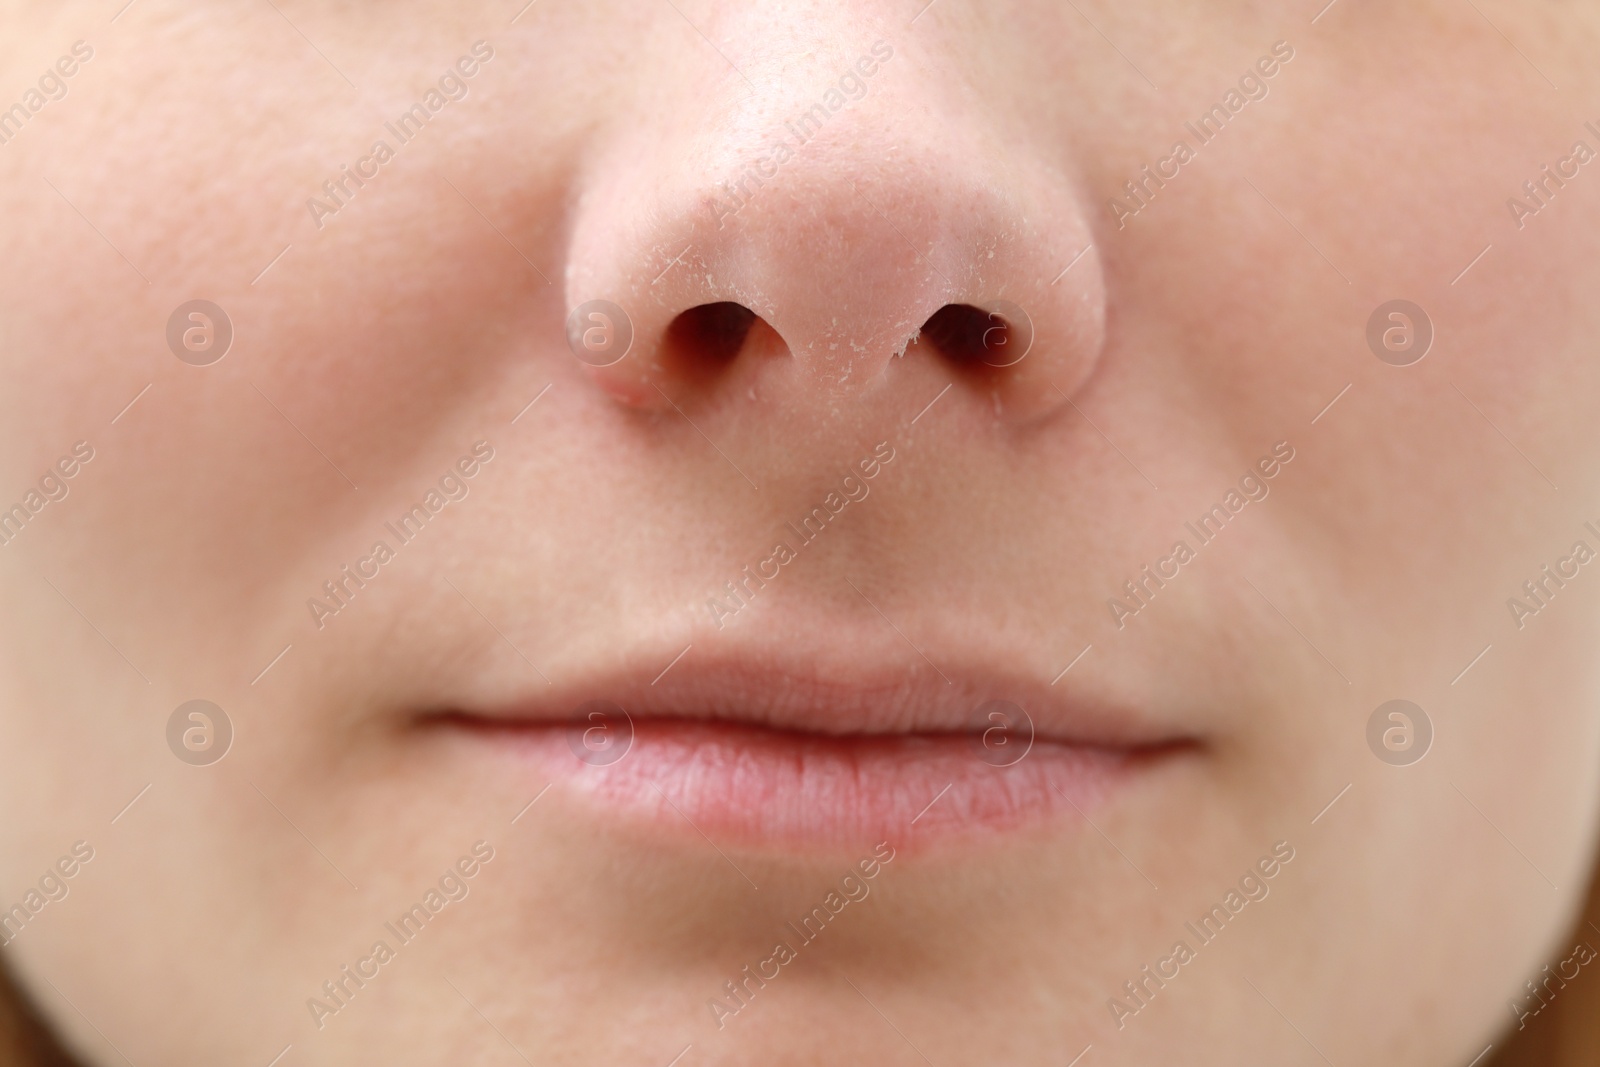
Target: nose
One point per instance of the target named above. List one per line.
(835, 238)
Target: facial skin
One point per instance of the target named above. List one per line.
(976, 165)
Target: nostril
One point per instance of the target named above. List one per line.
(709, 336)
(969, 336)
(702, 348)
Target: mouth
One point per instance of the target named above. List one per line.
(838, 747)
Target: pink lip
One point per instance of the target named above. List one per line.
(829, 751)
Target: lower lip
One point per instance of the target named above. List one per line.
(750, 786)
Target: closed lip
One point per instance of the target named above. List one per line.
(854, 692)
(822, 744)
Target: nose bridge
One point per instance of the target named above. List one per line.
(845, 212)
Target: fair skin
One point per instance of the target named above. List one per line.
(587, 160)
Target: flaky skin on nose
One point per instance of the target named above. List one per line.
(844, 232)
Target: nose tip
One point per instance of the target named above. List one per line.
(866, 243)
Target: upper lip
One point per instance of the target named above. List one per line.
(840, 690)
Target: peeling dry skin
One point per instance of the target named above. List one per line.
(411, 574)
